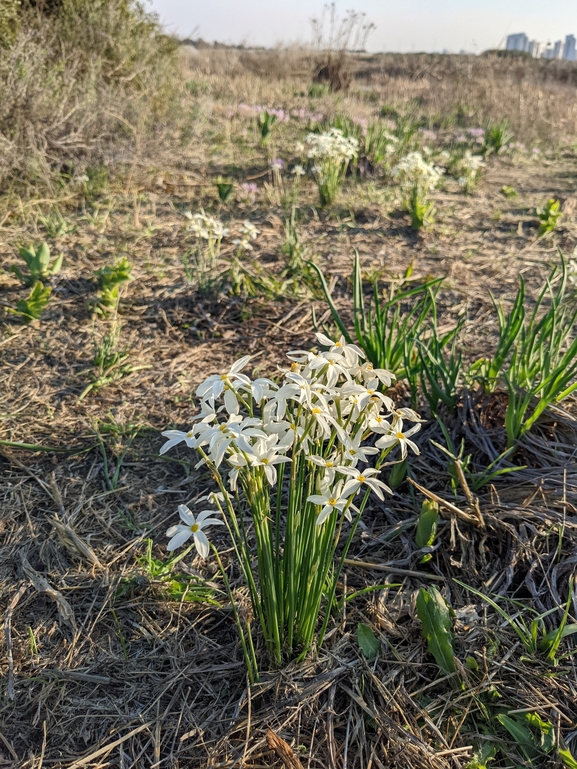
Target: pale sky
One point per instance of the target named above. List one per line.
(402, 25)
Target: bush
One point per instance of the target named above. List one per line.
(74, 75)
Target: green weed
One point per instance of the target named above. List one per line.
(39, 265)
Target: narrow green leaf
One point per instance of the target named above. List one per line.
(42, 257)
(433, 612)
(520, 733)
(548, 640)
(545, 739)
(567, 758)
(368, 642)
(426, 530)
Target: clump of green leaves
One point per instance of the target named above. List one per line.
(56, 225)
(387, 325)
(497, 137)
(224, 188)
(39, 265)
(266, 123)
(178, 587)
(533, 634)
(318, 90)
(109, 362)
(508, 192)
(34, 305)
(110, 279)
(536, 356)
(549, 217)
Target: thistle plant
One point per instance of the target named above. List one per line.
(266, 122)
(110, 278)
(549, 217)
(200, 261)
(468, 169)
(34, 305)
(416, 178)
(296, 457)
(39, 265)
(331, 153)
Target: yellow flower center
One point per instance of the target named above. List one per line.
(264, 461)
(332, 501)
(194, 528)
(399, 435)
(294, 366)
(330, 464)
(361, 478)
(224, 377)
(317, 410)
(189, 434)
(352, 452)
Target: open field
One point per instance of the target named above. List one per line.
(109, 661)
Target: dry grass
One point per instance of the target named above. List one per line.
(102, 667)
(82, 83)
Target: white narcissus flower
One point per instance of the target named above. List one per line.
(363, 478)
(264, 453)
(331, 499)
(402, 438)
(216, 384)
(333, 366)
(354, 452)
(175, 437)
(249, 230)
(330, 466)
(351, 352)
(192, 527)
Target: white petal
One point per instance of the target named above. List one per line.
(179, 538)
(324, 514)
(186, 514)
(230, 402)
(239, 364)
(201, 542)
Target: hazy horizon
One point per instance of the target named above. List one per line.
(452, 25)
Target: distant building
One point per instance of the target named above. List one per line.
(518, 42)
(559, 50)
(569, 53)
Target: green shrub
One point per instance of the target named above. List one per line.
(77, 76)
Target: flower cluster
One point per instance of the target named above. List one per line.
(303, 455)
(331, 153)
(413, 171)
(326, 407)
(206, 227)
(332, 144)
(249, 232)
(306, 114)
(280, 114)
(469, 168)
